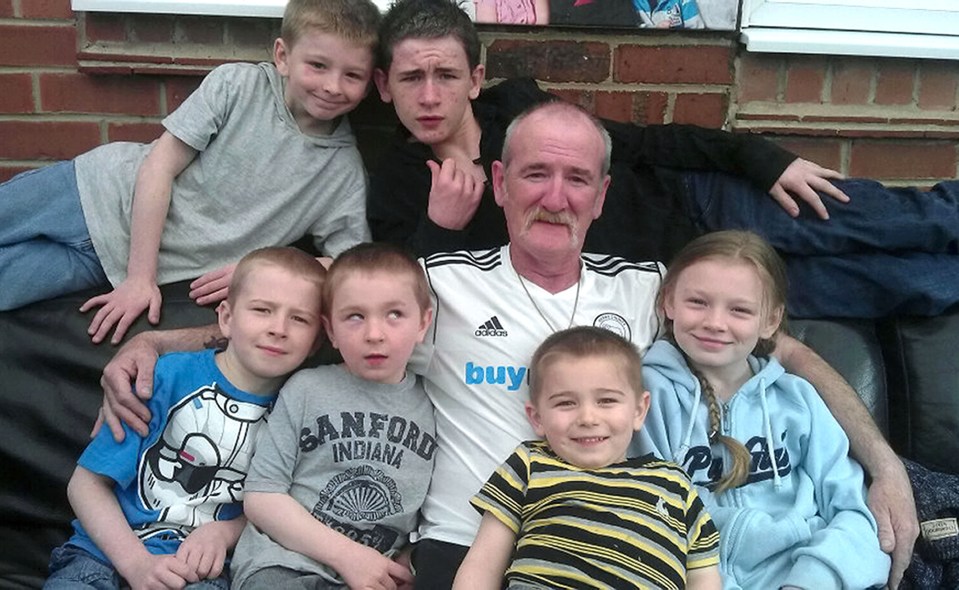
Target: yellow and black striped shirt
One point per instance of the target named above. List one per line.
(635, 524)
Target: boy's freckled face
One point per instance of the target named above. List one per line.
(326, 77)
(272, 326)
(375, 322)
(587, 410)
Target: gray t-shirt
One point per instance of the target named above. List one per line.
(257, 181)
(358, 455)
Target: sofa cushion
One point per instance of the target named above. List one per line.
(50, 387)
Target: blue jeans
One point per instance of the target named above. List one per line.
(72, 568)
(45, 248)
(887, 251)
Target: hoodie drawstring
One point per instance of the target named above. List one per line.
(679, 457)
(777, 481)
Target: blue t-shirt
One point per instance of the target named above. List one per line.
(189, 469)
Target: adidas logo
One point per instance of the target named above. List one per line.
(491, 327)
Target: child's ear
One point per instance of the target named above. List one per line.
(280, 53)
(532, 415)
(642, 408)
(773, 319)
(327, 327)
(669, 308)
(425, 320)
(224, 313)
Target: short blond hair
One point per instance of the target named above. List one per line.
(354, 20)
(295, 261)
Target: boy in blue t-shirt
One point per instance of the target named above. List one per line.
(166, 508)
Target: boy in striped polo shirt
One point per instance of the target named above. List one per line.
(577, 512)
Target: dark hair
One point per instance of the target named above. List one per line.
(426, 19)
(373, 257)
(355, 20)
(751, 249)
(581, 342)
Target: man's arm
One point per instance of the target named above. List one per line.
(92, 499)
(489, 556)
(128, 378)
(890, 494)
(151, 202)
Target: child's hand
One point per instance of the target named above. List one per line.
(212, 287)
(160, 572)
(363, 568)
(204, 550)
(121, 307)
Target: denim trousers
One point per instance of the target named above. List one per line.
(887, 251)
(45, 247)
(73, 568)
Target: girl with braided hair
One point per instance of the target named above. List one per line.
(768, 459)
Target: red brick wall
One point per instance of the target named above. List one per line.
(69, 82)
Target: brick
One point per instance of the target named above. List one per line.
(8, 172)
(77, 93)
(6, 9)
(894, 85)
(615, 106)
(902, 159)
(804, 82)
(758, 78)
(824, 152)
(17, 95)
(38, 45)
(46, 140)
(652, 107)
(141, 132)
(851, 83)
(151, 28)
(554, 61)
(198, 29)
(104, 26)
(938, 85)
(576, 96)
(252, 32)
(705, 110)
(673, 64)
(53, 9)
(178, 88)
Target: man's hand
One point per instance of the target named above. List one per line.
(454, 194)
(212, 287)
(121, 307)
(801, 180)
(891, 503)
(127, 379)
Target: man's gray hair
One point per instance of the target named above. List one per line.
(563, 106)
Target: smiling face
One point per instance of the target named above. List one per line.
(550, 184)
(430, 83)
(326, 77)
(272, 326)
(586, 408)
(375, 321)
(718, 312)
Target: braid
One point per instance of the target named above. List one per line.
(736, 476)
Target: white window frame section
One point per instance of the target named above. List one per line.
(926, 29)
(261, 8)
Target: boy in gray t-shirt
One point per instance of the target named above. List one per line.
(260, 155)
(344, 463)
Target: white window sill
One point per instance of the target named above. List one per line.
(910, 45)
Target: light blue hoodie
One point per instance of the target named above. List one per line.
(801, 517)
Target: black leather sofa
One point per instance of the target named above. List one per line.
(905, 369)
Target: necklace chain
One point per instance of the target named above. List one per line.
(579, 283)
